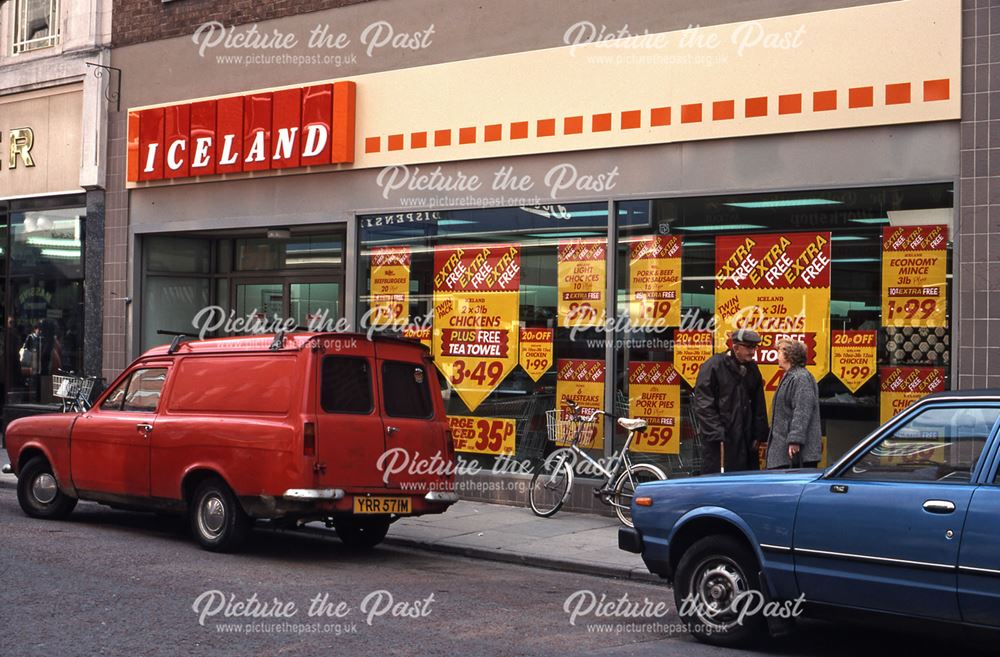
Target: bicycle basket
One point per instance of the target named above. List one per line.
(562, 430)
(65, 387)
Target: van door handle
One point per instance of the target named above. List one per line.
(144, 427)
(391, 430)
(939, 506)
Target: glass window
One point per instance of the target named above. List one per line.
(347, 385)
(48, 242)
(143, 392)
(940, 444)
(406, 390)
(36, 24)
(177, 255)
(170, 304)
(300, 252)
(113, 402)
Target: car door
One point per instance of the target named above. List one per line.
(109, 450)
(979, 556)
(884, 531)
(350, 437)
(415, 431)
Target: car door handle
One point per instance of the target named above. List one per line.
(391, 430)
(939, 506)
(144, 427)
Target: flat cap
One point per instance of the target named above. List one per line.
(746, 336)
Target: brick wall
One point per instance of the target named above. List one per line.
(977, 315)
(139, 21)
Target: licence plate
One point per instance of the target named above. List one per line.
(382, 505)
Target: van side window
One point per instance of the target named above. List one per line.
(113, 402)
(406, 390)
(144, 388)
(346, 386)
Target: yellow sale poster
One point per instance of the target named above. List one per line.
(421, 333)
(691, 350)
(777, 284)
(476, 306)
(914, 276)
(853, 357)
(536, 351)
(582, 283)
(582, 381)
(482, 435)
(902, 386)
(390, 286)
(655, 282)
(654, 394)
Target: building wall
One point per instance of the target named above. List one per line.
(172, 69)
(139, 21)
(978, 240)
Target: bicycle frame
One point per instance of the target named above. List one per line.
(619, 460)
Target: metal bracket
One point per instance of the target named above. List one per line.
(112, 96)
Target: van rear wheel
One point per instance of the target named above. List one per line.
(218, 522)
(38, 492)
(356, 532)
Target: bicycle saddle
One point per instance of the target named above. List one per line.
(629, 424)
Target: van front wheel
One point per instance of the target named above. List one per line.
(217, 520)
(358, 532)
(38, 491)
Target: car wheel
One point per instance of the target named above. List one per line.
(361, 533)
(218, 522)
(38, 491)
(713, 577)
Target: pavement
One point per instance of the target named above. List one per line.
(569, 542)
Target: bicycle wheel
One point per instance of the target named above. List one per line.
(550, 486)
(621, 500)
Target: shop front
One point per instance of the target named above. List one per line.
(43, 234)
(548, 242)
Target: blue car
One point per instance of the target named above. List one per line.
(905, 526)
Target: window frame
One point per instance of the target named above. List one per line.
(19, 44)
(371, 387)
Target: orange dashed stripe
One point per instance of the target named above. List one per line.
(600, 123)
(691, 113)
(755, 107)
(898, 93)
(723, 110)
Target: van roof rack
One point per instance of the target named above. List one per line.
(278, 342)
(175, 344)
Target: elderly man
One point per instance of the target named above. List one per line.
(729, 406)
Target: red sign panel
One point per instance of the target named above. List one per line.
(289, 128)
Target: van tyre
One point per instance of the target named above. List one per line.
(218, 522)
(38, 491)
(713, 572)
(361, 533)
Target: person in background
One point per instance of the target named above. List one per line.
(729, 406)
(796, 436)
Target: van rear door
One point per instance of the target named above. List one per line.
(350, 436)
(420, 454)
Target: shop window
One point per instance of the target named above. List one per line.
(178, 255)
(300, 252)
(48, 242)
(36, 24)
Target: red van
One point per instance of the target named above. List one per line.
(288, 428)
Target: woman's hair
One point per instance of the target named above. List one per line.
(794, 351)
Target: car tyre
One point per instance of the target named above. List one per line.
(711, 574)
(361, 533)
(218, 522)
(38, 491)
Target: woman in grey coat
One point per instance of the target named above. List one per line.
(795, 428)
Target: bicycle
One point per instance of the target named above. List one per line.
(74, 391)
(553, 480)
